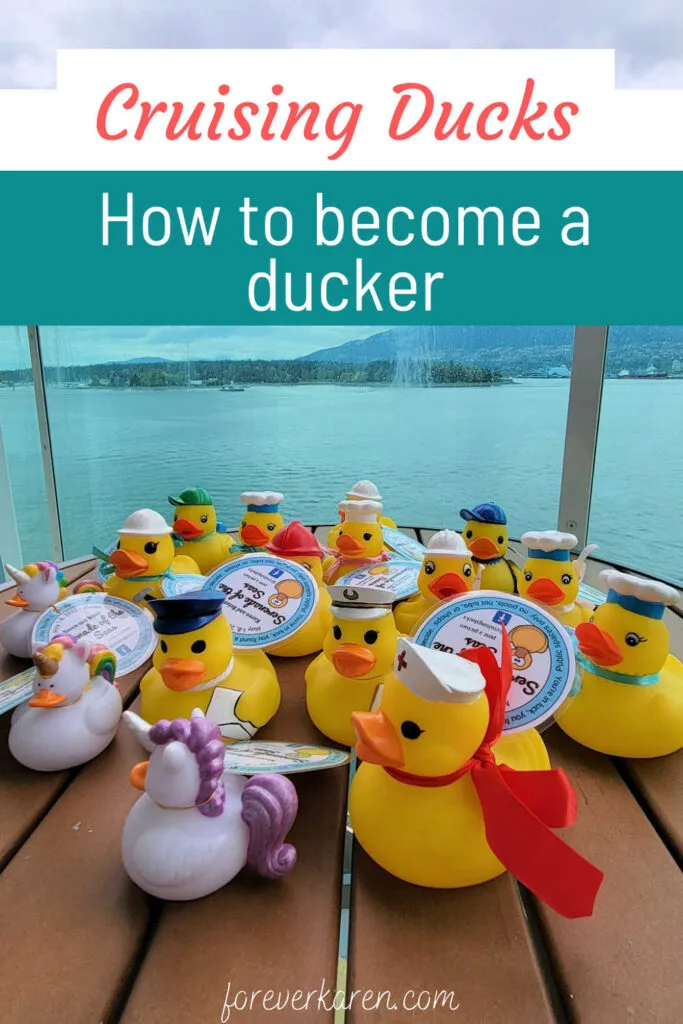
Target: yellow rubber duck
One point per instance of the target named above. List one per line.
(437, 801)
(364, 490)
(486, 535)
(357, 654)
(204, 538)
(144, 555)
(550, 578)
(297, 544)
(194, 666)
(359, 540)
(447, 570)
(260, 522)
(630, 703)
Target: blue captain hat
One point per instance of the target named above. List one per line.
(183, 613)
(487, 512)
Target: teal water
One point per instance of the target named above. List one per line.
(430, 451)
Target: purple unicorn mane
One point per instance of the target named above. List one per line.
(269, 806)
(203, 739)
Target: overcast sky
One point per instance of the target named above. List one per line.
(647, 35)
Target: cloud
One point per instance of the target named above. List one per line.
(647, 34)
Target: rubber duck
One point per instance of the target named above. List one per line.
(447, 571)
(364, 490)
(219, 822)
(438, 801)
(359, 540)
(204, 538)
(39, 587)
(144, 555)
(357, 654)
(630, 703)
(551, 579)
(486, 535)
(75, 709)
(260, 522)
(297, 544)
(194, 666)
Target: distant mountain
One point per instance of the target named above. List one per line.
(145, 361)
(515, 350)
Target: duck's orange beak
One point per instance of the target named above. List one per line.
(254, 536)
(128, 563)
(348, 545)
(182, 673)
(546, 591)
(187, 529)
(138, 774)
(378, 741)
(450, 584)
(18, 602)
(46, 699)
(597, 645)
(353, 661)
(483, 547)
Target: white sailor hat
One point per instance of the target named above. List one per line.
(437, 676)
(360, 602)
(364, 489)
(635, 594)
(549, 544)
(355, 511)
(261, 501)
(145, 523)
(447, 542)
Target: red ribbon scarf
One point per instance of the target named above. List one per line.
(521, 807)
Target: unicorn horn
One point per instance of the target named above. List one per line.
(18, 575)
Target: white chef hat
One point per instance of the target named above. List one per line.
(262, 501)
(437, 676)
(364, 489)
(447, 542)
(360, 602)
(145, 523)
(635, 594)
(549, 544)
(359, 511)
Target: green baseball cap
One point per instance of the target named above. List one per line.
(192, 496)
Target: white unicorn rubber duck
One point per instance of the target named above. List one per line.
(75, 708)
(195, 827)
(39, 587)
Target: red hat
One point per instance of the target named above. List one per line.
(293, 540)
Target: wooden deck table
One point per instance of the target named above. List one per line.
(82, 945)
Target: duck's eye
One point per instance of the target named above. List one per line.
(501, 540)
(429, 568)
(367, 536)
(633, 639)
(150, 547)
(271, 526)
(336, 632)
(307, 565)
(566, 578)
(243, 523)
(164, 646)
(118, 545)
(527, 577)
(371, 636)
(198, 646)
(203, 519)
(467, 570)
(411, 730)
(468, 534)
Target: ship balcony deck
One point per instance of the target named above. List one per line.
(83, 945)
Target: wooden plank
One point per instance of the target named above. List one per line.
(472, 942)
(626, 962)
(256, 934)
(72, 921)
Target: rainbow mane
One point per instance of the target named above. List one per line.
(203, 739)
(101, 661)
(35, 567)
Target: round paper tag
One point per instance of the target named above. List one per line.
(181, 583)
(543, 664)
(123, 627)
(100, 565)
(267, 599)
(402, 544)
(399, 575)
(250, 757)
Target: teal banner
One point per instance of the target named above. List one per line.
(341, 247)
